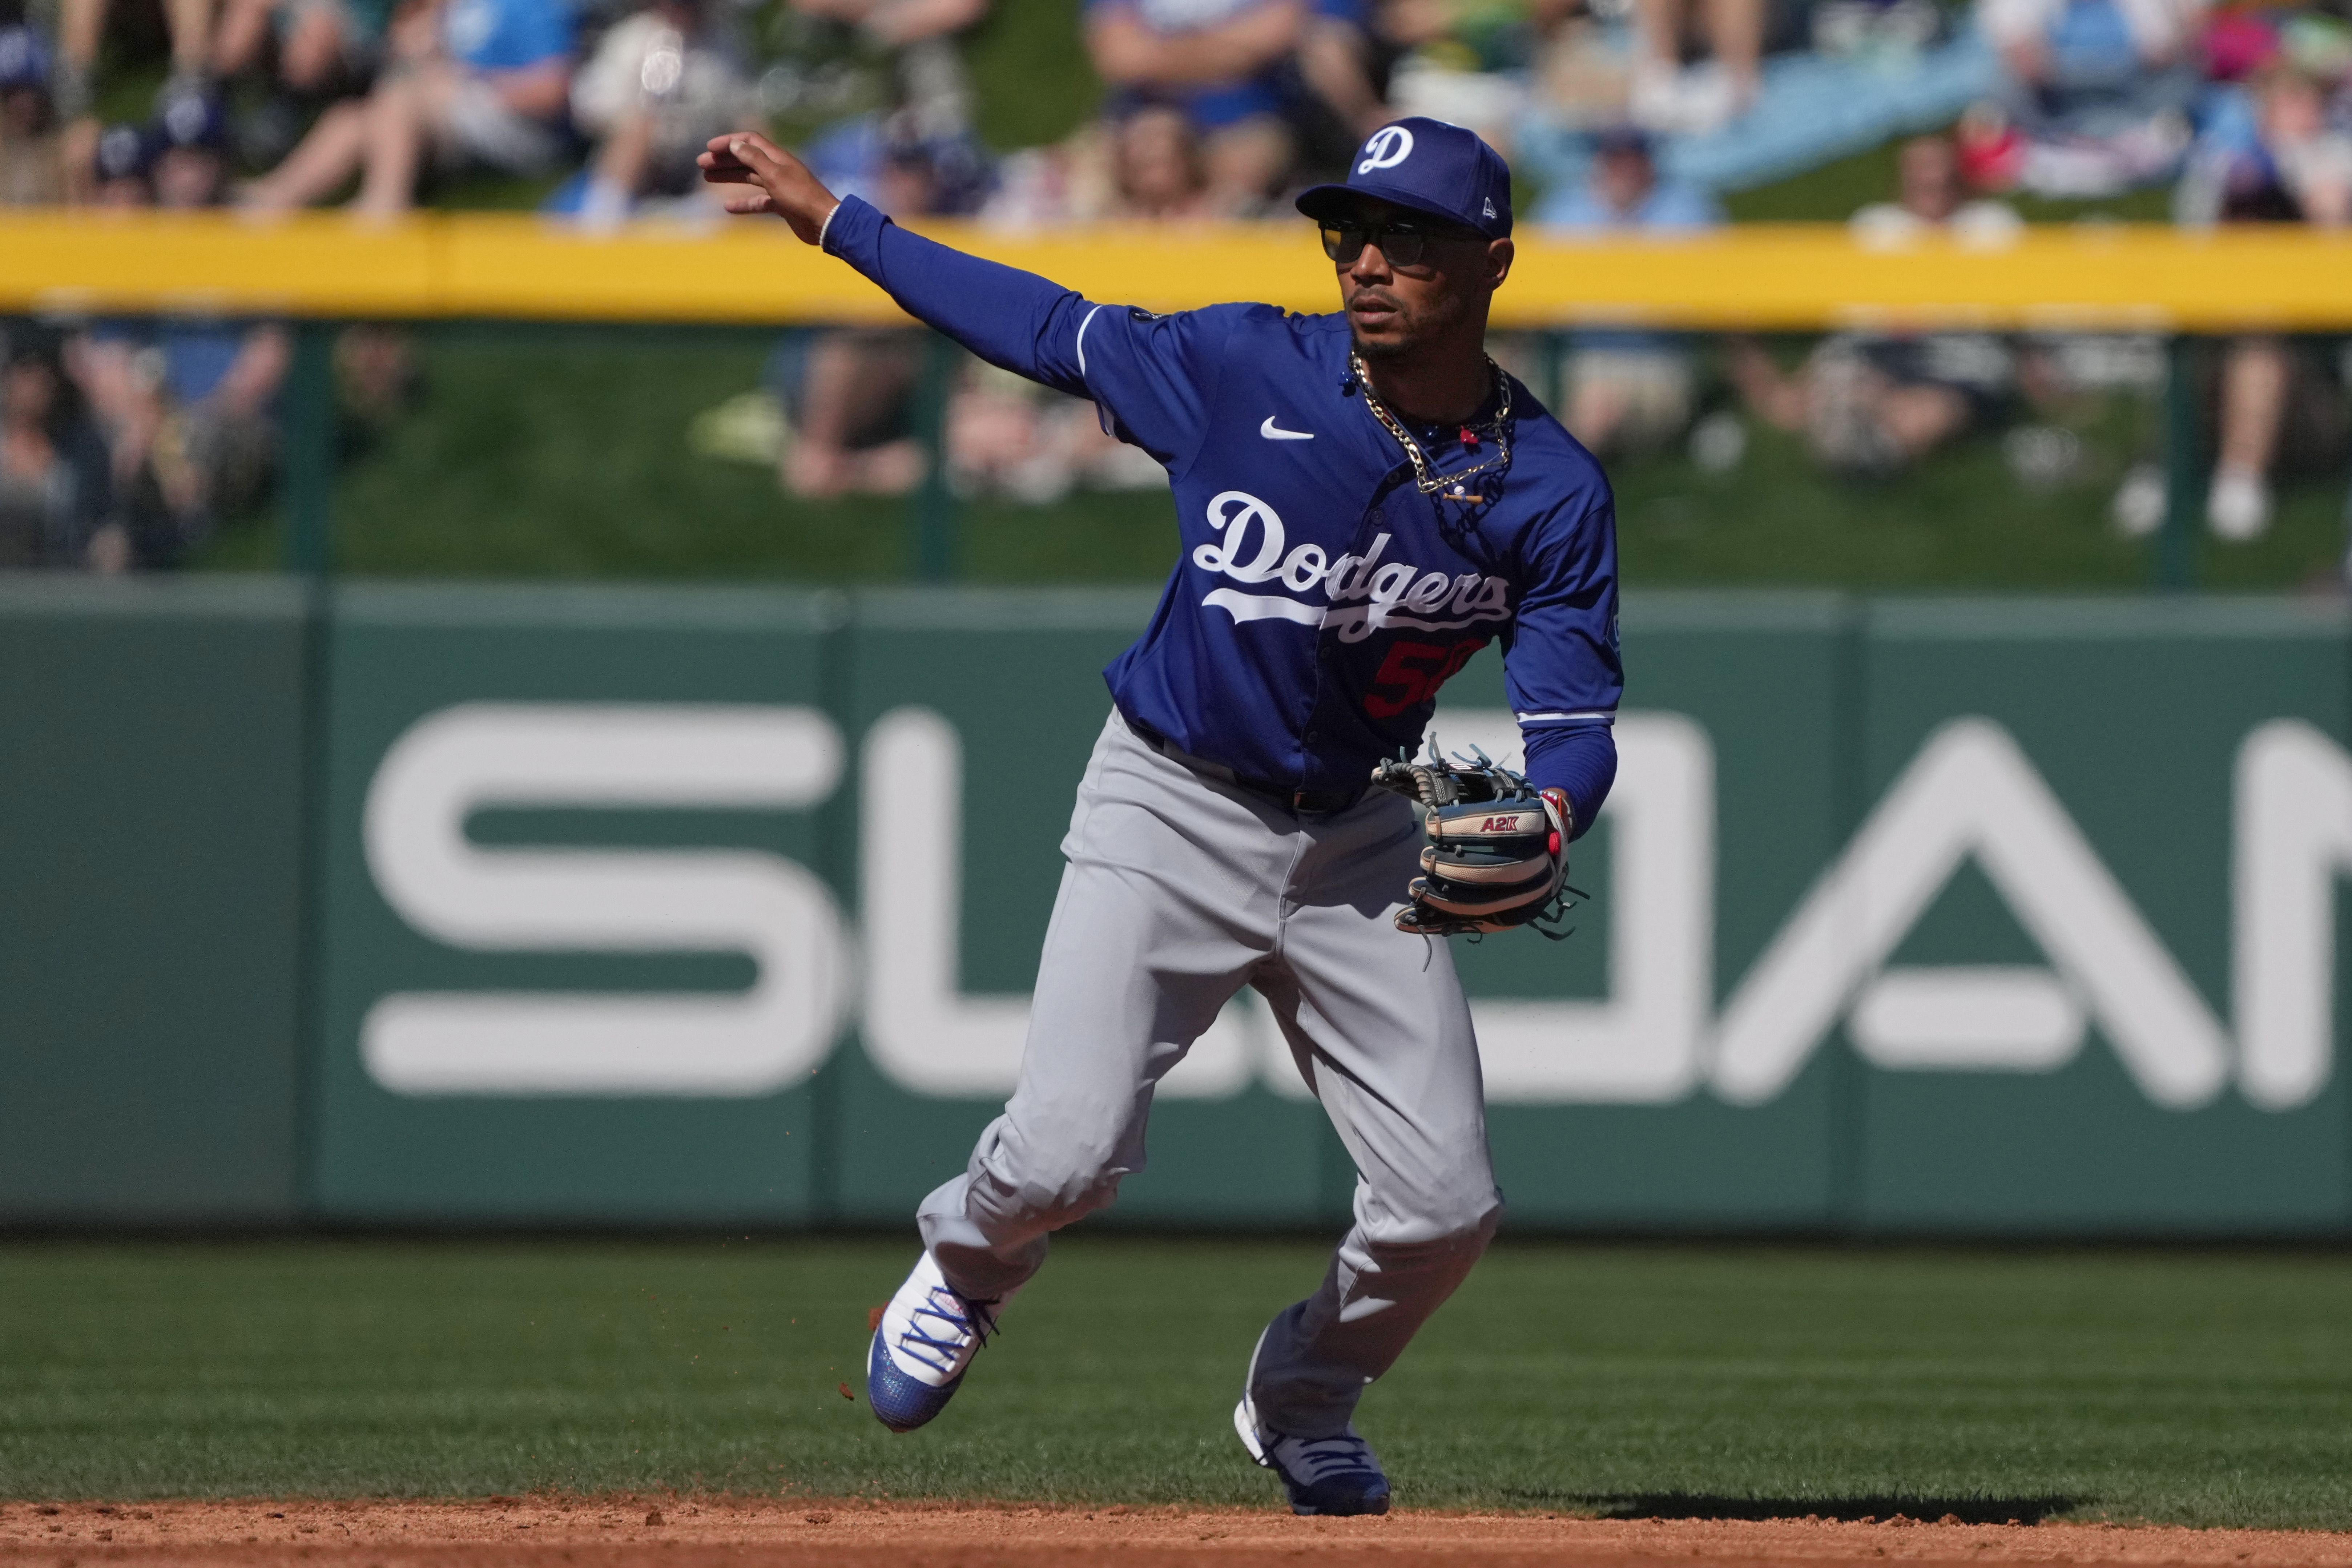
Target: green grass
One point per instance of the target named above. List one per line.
(540, 453)
(2203, 1389)
(1958, 520)
(1029, 73)
(532, 453)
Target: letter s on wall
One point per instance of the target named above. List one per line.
(671, 755)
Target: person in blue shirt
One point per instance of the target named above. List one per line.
(189, 406)
(1365, 500)
(468, 82)
(1629, 390)
(1229, 67)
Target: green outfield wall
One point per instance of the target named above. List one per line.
(435, 905)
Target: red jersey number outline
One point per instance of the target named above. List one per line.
(1413, 671)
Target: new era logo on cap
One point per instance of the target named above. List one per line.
(1431, 167)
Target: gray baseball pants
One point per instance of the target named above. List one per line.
(1182, 889)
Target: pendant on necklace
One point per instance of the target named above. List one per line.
(1469, 438)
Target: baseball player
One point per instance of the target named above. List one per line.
(1365, 500)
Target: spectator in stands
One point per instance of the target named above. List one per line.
(661, 83)
(1705, 97)
(1628, 390)
(32, 154)
(188, 146)
(2270, 154)
(848, 396)
(1625, 194)
(323, 46)
(2099, 91)
(1010, 437)
(2280, 406)
(1075, 180)
(82, 27)
(1874, 403)
(1218, 61)
(896, 24)
(1343, 63)
(1160, 170)
(53, 471)
(891, 161)
(930, 89)
(1928, 172)
(189, 412)
(188, 408)
(468, 81)
(118, 168)
(1145, 168)
(1463, 61)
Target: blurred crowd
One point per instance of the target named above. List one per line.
(124, 442)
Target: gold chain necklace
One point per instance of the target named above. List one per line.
(1424, 478)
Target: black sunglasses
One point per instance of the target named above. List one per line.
(1405, 241)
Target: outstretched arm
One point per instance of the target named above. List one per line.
(1010, 318)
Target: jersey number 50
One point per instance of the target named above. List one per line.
(1412, 672)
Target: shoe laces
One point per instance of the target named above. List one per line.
(967, 1325)
(1312, 1461)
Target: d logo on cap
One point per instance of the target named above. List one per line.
(1390, 145)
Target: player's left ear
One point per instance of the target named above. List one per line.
(1499, 253)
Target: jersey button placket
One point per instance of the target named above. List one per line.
(1327, 651)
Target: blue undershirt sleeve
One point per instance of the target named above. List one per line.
(1150, 375)
(1560, 664)
(1581, 761)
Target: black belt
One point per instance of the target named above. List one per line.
(1308, 802)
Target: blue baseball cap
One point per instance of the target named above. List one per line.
(123, 152)
(1430, 166)
(188, 117)
(24, 59)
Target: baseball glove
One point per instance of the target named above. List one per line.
(1497, 851)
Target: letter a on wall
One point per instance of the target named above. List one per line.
(2293, 839)
(1970, 793)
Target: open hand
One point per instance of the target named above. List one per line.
(775, 181)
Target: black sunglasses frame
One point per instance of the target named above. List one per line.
(1404, 241)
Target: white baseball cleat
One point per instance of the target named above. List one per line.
(927, 1338)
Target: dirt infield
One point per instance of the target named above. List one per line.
(673, 1532)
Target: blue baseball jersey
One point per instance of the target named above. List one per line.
(1320, 598)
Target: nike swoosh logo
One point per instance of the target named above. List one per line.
(1274, 432)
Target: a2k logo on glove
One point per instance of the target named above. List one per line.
(1363, 594)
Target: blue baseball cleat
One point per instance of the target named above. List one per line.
(927, 1336)
(1323, 1475)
